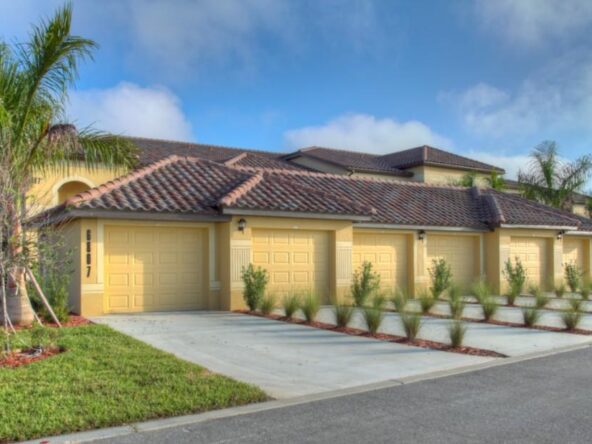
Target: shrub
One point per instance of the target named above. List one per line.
(489, 307)
(343, 314)
(411, 324)
(571, 319)
(43, 337)
(559, 289)
(576, 304)
(290, 304)
(426, 301)
(585, 289)
(456, 332)
(516, 277)
(379, 301)
(441, 277)
(267, 304)
(255, 280)
(400, 300)
(373, 317)
(53, 270)
(531, 315)
(310, 306)
(365, 283)
(456, 302)
(540, 298)
(481, 290)
(573, 277)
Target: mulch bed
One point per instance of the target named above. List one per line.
(74, 321)
(575, 331)
(423, 343)
(22, 357)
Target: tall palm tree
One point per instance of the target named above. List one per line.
(35, 137)
(550, 180)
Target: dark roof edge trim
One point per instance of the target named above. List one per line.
(295, 214)
(421, 227)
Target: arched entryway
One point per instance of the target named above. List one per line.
(71, 188)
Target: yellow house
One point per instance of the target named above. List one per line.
(175, 233)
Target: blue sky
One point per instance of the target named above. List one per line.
(489, 79)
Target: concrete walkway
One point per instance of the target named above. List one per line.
(510, 341)
(283, 359)
(549, 318)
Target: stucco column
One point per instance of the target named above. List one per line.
(92, 257)
(420, 265)
(342, 264)
(241, 255)
(556, 262)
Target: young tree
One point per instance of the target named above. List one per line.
(35, 137)
(496, 181)
(550, 180)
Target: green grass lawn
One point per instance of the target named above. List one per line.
(105, 379)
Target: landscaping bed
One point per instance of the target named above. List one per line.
(105, 378)
(434, 345)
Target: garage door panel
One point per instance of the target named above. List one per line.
(532, 253)
(459, 252)
(388, 255)
(296, 260)
(573, 252)
(156, 269)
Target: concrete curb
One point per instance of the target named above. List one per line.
(166, 423)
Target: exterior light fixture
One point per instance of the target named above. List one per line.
(560, 234)
(421, 235)
(242, 224)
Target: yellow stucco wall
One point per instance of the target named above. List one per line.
(445, 176)
(226, 250)
(44, 192)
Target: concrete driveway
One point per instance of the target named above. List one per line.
(283, 359)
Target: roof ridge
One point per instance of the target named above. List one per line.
(355, 178)
(235, 159)
(232, 196)
(121, 180)
(213, 145)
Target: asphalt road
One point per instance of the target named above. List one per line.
(541, 400)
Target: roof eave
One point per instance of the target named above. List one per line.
(540, 227)
(294, 214)
(421, 227)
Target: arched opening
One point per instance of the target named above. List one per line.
(70, 189)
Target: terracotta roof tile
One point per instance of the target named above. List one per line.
(190, 185)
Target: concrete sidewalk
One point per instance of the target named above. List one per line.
(283, 359)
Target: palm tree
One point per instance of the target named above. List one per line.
(550, 180)
(34, 135)
(496, 181)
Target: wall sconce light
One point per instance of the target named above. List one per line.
(242, 224)
(421, 235)
(560, 234)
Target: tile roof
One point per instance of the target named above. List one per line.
(394, 163)
(196, 186)
(153, 150)
(427, 155)
(350, 160)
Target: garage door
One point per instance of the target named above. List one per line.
(533, 255)
(573, 252)
(151, 269)
(388, 255)
(296, 260)
(461, 254)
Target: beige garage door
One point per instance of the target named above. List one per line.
(460, 252)
(573, 252)
(296, 260)
(151, 269)
(388, 255)
(532, 252)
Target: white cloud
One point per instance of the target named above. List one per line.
(530, 23)
(558, 97)
(363, 132)
(131, 110)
